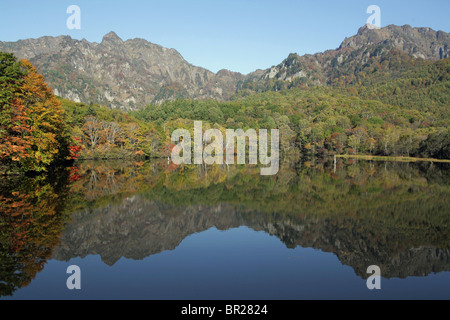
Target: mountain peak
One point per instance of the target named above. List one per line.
(112, 37)
(367, 27)
(422, 43)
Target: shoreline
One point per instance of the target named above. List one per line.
(393, 159)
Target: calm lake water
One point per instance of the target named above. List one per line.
(150, 230)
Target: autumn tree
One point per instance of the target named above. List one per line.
(92, 129)
(48, 135)
(14, 126)
(33, 133)
(111, 130)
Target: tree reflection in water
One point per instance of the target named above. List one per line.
(392, 214)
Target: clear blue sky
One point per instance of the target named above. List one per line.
(242, 35)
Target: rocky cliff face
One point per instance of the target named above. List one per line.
(120, 74)
(354, 52)
(422, 43)
(129, 74)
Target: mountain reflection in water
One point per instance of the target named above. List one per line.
(394, 215)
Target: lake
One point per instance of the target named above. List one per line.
(153, 230)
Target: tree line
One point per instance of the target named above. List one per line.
(379, 116)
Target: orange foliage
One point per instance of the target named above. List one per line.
(15, 143)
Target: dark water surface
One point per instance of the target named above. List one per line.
(150, 230)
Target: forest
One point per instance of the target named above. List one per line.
(375, 112)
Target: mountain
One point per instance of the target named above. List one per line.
(368, 48)
(130, 74)
(120, 74)
(422, 43)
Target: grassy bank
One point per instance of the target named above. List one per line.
(398, 159)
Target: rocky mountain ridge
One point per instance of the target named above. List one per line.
(318, 69)
(120, 74)
(130, 74)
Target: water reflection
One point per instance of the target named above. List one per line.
(31, 221)
(394, 215)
